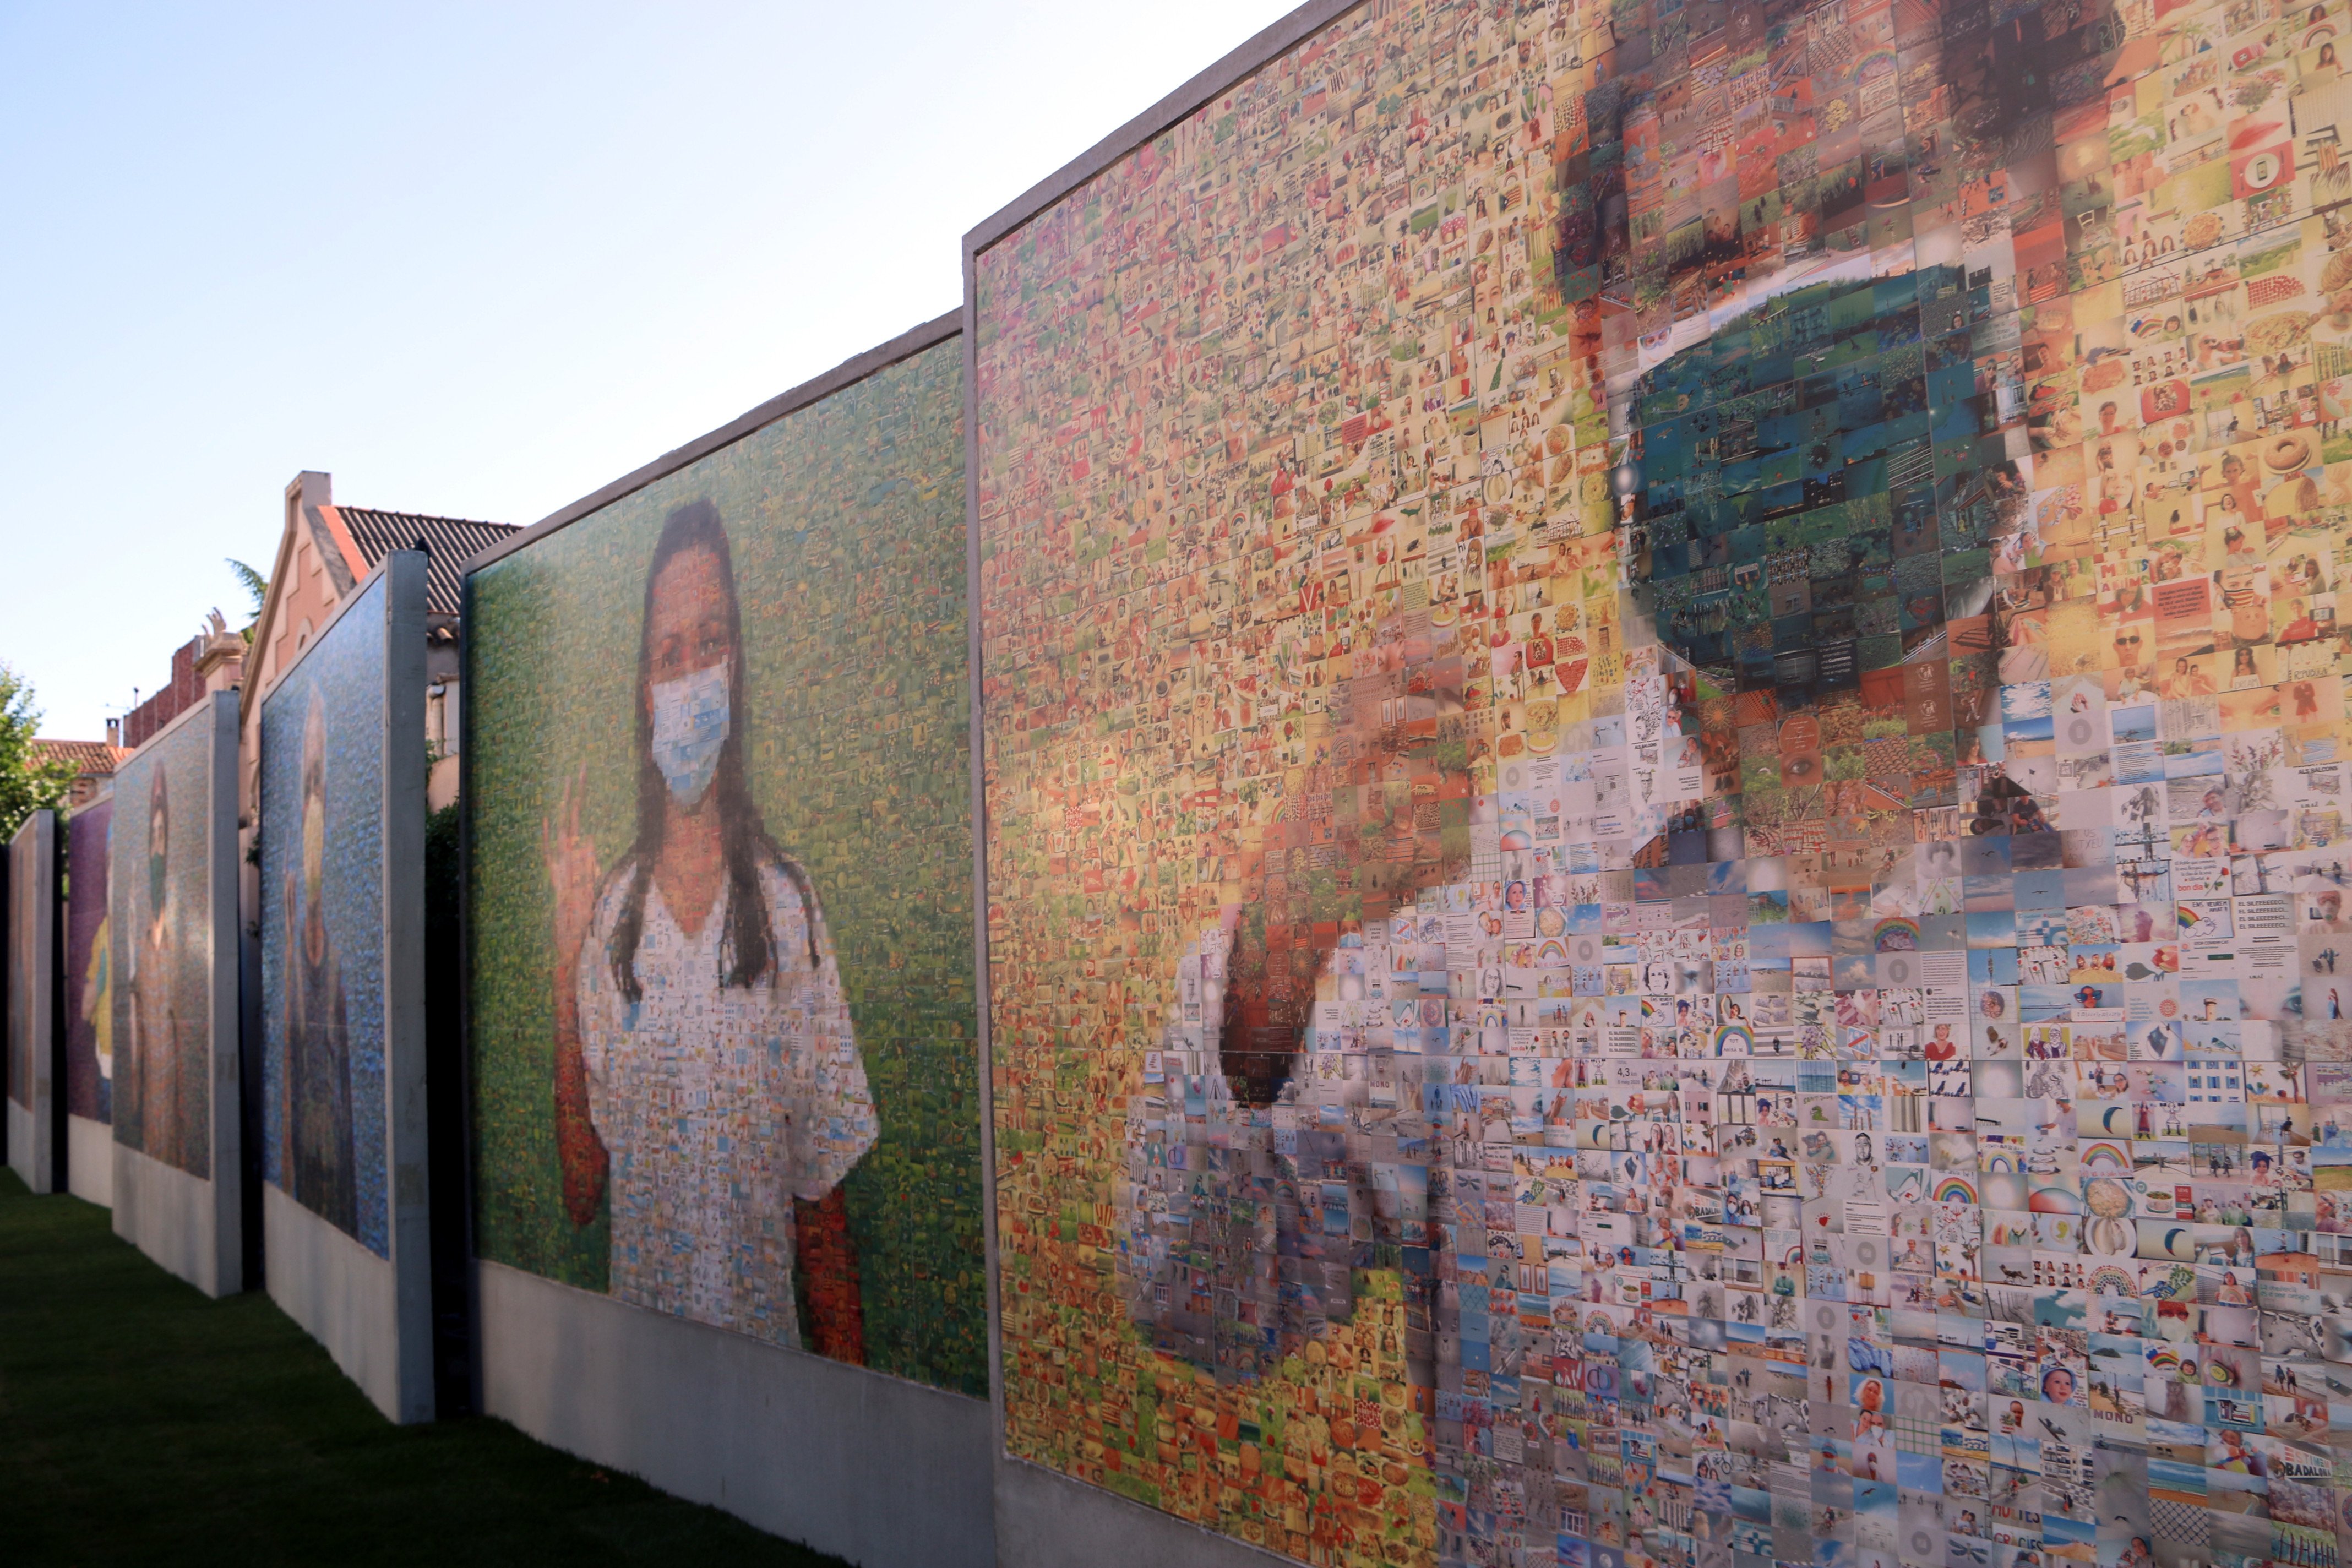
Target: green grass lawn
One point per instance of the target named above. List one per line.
(141, 1423)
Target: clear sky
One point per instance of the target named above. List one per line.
(474, 260)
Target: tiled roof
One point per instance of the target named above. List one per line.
(95, 758)
(450, 542)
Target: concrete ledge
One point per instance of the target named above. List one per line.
(339, 1292)
(170, 1215)
(89, 1160)
(1044, 1519)
(881, 1471)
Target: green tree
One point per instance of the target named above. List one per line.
(27, 783)
(256, 588)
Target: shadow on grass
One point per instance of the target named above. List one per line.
(141, 1423)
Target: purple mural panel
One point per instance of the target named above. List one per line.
(89, 1043)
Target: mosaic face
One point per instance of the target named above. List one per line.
(87, 998)
(1662, 699)
(322, 1065)
(722, 849)
(161, 927)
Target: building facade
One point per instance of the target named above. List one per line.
(324, 551)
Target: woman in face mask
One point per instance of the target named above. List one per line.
(706, 1077)
(150, 1113)
(315, 1118)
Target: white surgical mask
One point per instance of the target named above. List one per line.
(690, 727)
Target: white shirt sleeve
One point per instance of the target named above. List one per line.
(605, 1013)
(828, 1111)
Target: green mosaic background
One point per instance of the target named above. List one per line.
(847, 523)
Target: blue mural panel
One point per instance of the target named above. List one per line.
(322, 764)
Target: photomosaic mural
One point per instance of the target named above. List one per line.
(28, 868)
(86, 998)
(723, 1020)
(161, 965)
(32, 934)
(322, 940)
(1662, 701)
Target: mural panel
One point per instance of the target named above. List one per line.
(160, 970)
(86, 998)
(1662, 699)
(28, 872)
(323, 1062)
(722, 1008)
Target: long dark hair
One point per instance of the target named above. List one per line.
(743, 838)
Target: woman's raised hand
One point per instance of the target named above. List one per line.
(571, 872)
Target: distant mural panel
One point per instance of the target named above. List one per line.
(1662, 700)
(87, 999)
(161, 976)
(723, 1023)
(29, 895)
(322, 988)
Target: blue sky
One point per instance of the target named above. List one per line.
(470, 259)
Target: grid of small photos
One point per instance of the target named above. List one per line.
(159, 962)
(323, 988)
(1665, 866)
(88, 1004)
(26, 867)
(843, 519)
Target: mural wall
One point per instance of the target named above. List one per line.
(322, 1065)
(160, 955)
(87, 998)
(1662, 699)
(27, 871)
(31, 985)
(722, 1010)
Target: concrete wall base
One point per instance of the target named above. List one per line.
(21, 1147)
(171, 1217)
(342, 1295)
(1049, 1521)
(881, 1471)
(89, 1160)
